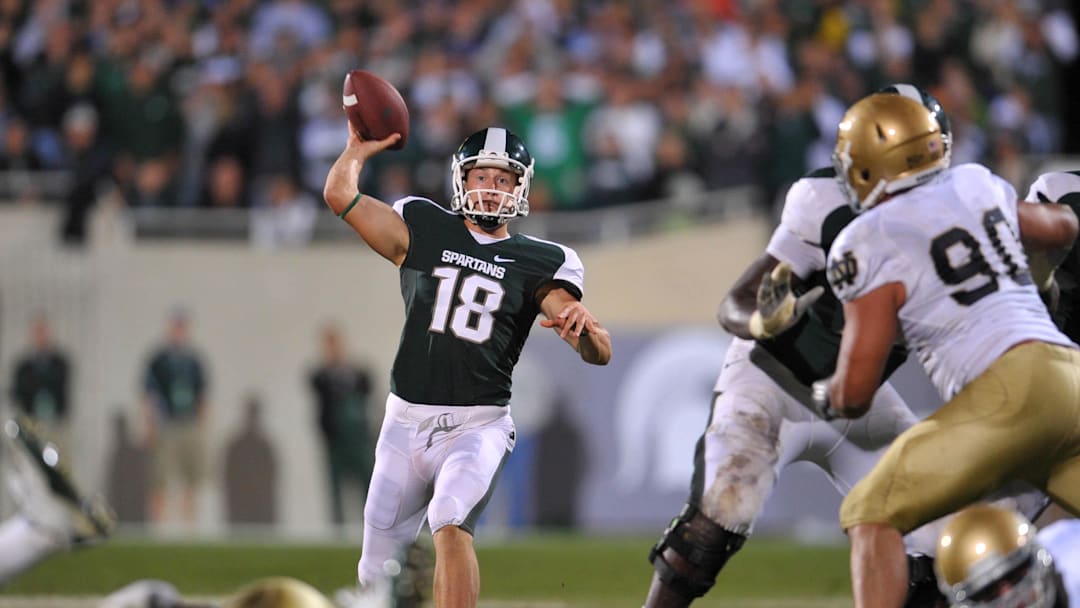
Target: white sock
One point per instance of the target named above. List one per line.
(22, 545)
(378, 548)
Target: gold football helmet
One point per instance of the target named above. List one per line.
(886, 143)
(279, 592)
(988, 556)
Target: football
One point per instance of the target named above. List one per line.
(375, 108)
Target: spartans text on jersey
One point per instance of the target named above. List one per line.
(467, 261)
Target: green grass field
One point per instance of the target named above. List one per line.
(548, 571)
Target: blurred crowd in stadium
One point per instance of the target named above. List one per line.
(236, 103)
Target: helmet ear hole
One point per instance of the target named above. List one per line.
(865, 175)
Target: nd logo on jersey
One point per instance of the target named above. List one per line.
(843, 271)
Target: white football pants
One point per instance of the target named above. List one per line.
(434, 462)
(758, 428)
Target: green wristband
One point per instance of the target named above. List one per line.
(346, 210)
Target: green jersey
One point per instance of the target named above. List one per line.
(815, 211)
(470, 301)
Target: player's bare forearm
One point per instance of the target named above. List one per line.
(741, 300)
(341, 181)
(851, 388)
(375, 221)
(734, 315)
(578, 328)
(1047, 226)
(594, 345)
(574, 324)
(870, 330)
(1048, 231)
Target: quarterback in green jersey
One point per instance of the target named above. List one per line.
(471, 291)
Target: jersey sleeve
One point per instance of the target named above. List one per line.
(571, 273)
(1009, 201)
(409, 201)
(797, 240)
(978, 185)
(865, 257)
(786, 246)
(426, 220)
(1057, 186)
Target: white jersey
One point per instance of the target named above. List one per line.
(1062, 540)
(953, 243)
(805, 229)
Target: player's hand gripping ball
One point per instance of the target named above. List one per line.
(375, 108)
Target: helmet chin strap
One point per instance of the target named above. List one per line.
(488, 223)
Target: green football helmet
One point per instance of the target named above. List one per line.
(930, 103)
(492, 147)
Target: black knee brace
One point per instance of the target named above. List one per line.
(701, 543)
(923, 589)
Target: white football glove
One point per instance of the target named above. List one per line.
(777, 307)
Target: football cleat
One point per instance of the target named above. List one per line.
(407, 582)
(363, 597)
(45, 491)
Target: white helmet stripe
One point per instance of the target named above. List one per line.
(909, 91)
(495, 140)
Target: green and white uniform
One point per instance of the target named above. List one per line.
(470, 301)
(469, 305)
